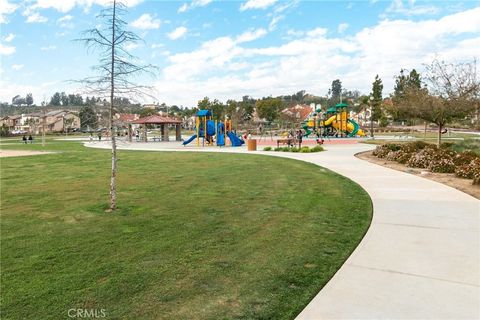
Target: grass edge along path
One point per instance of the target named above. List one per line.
(197, 235)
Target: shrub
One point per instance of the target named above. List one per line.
(267, 149)
(384, 149)
(305, 149)
(317, 149)
(278, 149)
(295, 150)
(470, 170)
(423, 158)
(444, 165)
(464, 158)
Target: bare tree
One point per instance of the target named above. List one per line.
(451, 93)
(116, 71)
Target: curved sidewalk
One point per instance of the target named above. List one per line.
(420, 259)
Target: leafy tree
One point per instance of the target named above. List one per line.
(115, 71)
(29, 99)
(64, 99)
(268, 108)
(204, 104)
(377, 88)
(452, 92)
(335, 92)
(56, 99)
(147, 112)
(247, 107)
(4, 132)
(218, 109)
(18, 101)
(403, 82)
(88, 118)
(32, 124)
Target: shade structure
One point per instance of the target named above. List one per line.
(156, 119)
(163, 122)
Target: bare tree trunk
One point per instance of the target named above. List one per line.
(43, 128)
(439, 140)
(425, 131)
(113, 183)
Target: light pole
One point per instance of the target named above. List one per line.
(371, 116)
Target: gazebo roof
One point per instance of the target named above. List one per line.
(156, 119)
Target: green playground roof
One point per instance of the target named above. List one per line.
(332, 109)
(341, 105)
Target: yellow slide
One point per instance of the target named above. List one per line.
(350, 126)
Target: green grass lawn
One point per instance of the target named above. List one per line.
(196, 236)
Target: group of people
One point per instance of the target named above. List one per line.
(26, 140)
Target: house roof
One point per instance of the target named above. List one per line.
(55, 112)
(300, 111)
(127, 117)
(156, 119)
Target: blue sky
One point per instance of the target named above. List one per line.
(227, 49)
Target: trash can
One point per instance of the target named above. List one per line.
(252, 144)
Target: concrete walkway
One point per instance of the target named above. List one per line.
(420, 259)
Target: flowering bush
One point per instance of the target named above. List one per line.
(442, 165)
(419, 154)
(384, 149)
(422, 158)
(464, 158)
(470, 170)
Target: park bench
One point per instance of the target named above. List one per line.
(288, 141)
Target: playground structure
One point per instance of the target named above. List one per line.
(333, 122)
(208, 129)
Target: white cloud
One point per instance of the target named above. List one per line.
(17, 66)
(131, 46)
(48, 48)
(194, 4)
(65, 22)
(145, 22)
(6, 50)
(9, 37)
(177, 33)
(65, 18)
(221, 68)
(251, 35)
(65, 6)
(275, 20)
(411, 9)
(184, 7)
(36, 17)
(6, 8)
(342, 27)
(257, 4)
(157, 45)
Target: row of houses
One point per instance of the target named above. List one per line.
(53, 122)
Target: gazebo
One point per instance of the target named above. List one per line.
(163, 122)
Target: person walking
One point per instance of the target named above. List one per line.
(30, 138)
(24, 138)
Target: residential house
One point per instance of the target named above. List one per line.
(9, 122)
(298, 113)
(61, 121)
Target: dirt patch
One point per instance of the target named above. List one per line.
(448, 179)
(20, 153)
